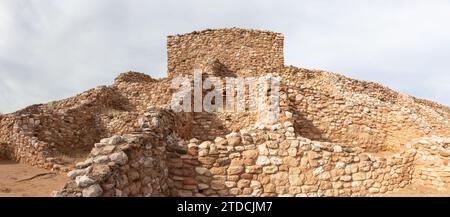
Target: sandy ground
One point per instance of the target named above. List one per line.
(415, 190)
(12, 181)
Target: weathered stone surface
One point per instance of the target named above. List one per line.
(185, 193)
(291, 161)
(292, 152)
(359, 176)
(100, 172)
(84, 164)
(318, 171)
(337, 148)
(230, 184)
(234, 170)
(234, 140)
(204, 145)
(92, 191)
(133, 175)
(119, 157)
(374, 190)
(276, 160)
(352, 168)
(201, 170)
(217, 185)
(325, 176)
(270, 169)
(107, 149)
(74, 173)
(243, 183)
(84, 181)
(281, 178)
(101, 159)
(218, 170)
(346, 178)
(202, 186)
(262, 161)
(250, 154)
(255, 184)
(340, 165)
(115, 140)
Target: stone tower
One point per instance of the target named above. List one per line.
(242, 51)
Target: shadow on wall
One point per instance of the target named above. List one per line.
(208, 126)
(84, 126)
(5, 152)
(305, 128)
(214, 67)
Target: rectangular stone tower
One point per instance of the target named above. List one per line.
(242, 51)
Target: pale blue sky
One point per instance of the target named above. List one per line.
(52, 49)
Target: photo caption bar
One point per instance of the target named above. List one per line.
(229, 206)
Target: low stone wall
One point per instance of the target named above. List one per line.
(271, 162)
(129, 165)
(21, 146)
(433, 162)
(40, 135)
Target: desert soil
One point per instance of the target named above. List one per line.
(416, 190)
(14, 180)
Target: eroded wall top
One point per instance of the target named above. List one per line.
(242, 51)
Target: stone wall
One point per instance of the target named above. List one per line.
(209, 125)
(329, 107)
(129, 165)
(133, 164)
(49, 135)
(245, 52)
(141, 91)
(264, 161)
(17, 145)
(433, 161)
(271, 162)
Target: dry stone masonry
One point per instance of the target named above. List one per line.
(241, 51)
(335, 136)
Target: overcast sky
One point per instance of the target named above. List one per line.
(53, 49)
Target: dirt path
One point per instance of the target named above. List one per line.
(14, 180)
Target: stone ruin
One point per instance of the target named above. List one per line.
(335, 136)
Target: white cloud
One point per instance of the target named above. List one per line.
(53, 49)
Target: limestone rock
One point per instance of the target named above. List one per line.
(119, 157)
(92, 191)
(262, 161)
(84, 181)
